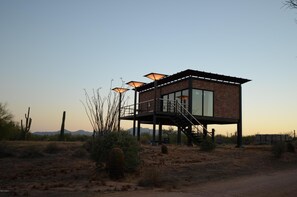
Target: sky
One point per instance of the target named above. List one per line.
(51, 50)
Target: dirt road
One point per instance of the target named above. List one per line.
(282, 183)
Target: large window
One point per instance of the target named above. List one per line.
(169, 100)
(207, 103)
(202, 103)
(197, 102)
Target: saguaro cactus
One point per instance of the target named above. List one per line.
(26, 129)
(116, 162)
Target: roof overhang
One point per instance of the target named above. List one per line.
(195, 74)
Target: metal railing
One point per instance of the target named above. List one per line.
(142, 107)
(164, 105)
(182, 109)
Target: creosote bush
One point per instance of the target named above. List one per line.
(164, 149)
(5, 150)
(207, 145)
(278, 149)
(290, 147)
(52, 148)
(103, 144)
(31, 152)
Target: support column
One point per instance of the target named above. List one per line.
(213, 135)
(239, 124)
(190, 141)
(204, 131)
(239, 135)
(155, 113)
(178, 136)
(160, 134)
(138, 130)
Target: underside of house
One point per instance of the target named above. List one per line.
(189, 100)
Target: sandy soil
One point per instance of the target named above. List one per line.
(35, 170)
(281, 183)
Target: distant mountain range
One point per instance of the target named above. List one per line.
(83, 132)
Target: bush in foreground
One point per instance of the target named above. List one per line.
(207, 145)
(115, 164)
(102, 146)
(278, 149)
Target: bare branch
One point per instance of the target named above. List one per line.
(291, 4)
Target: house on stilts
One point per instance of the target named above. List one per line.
(190, 100)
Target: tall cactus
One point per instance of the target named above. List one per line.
(115, 164)
(26, 129)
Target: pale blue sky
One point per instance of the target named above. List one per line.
(51, 50)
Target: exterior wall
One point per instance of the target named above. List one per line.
(149, 95)
(226, 97)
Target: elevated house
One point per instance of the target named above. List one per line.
(190, 100)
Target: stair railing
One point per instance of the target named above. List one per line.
(179, 108)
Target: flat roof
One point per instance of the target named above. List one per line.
(195, 74)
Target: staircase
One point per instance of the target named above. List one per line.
(187, 123)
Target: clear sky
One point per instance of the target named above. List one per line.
(50, 50)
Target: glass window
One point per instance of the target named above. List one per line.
(197, 102)
(208, 103)
(165, 99)
(170, 106)
(178, 96)
(185, 98)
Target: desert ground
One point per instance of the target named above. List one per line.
(64, 169)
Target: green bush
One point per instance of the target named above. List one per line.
(290, 147)
(80, 153)
(31, 152)
(115, 164)
(52, 148)
(207, 145)
(5, 150)
(278, 149)
(102, 145)
(164, 149)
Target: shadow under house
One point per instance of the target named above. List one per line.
(190, 100)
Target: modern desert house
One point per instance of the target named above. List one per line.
(190, 100)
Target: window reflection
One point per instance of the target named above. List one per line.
(202, 102)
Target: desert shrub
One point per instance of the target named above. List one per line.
(207, 144)
(290, 147)
(278, 149)
(115, 163)
(52, 148)
(102, 145)
(145, 138)
(31, 152)
(164, 149)
(5, 150)
(80, 153)
(151, 178)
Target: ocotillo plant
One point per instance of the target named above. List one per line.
(26, 129)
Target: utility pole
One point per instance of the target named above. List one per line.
(62, 136)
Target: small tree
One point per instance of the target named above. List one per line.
(8, 128)
(291, 4)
